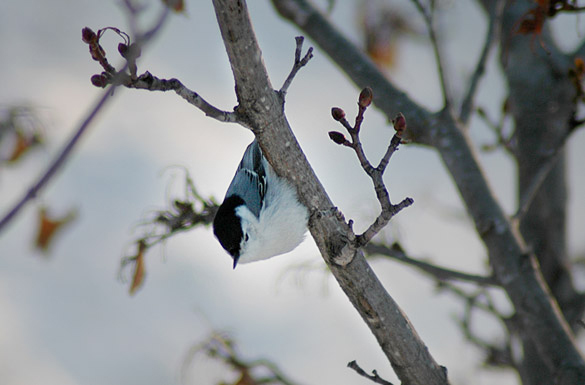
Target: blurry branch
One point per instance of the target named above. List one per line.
(374, 376)
(577, 76)
(495, 354)
(428, 16)
(375, 173)
(57, 163)
(494, 20)
(538, 179)
(182, 215)
(65, 152)
(439, 273)
(503, 140)
(222, 348)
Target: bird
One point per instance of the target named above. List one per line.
(261, 215)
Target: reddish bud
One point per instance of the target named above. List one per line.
(337, 137)
(337, 113)
(87, 35)
(99, 80)
(366, 97)
(399, 123)
(123, 49)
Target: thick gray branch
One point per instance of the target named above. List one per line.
(261, 107)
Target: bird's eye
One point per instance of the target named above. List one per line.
(246, 237)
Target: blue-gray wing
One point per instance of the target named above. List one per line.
(250, 180)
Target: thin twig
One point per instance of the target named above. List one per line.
(221, 347)
(147, 81)
(496, 354)
(493, 27)
(503, 140)
(298, 64)
(428, 17)
(374, 376)
(439, 273)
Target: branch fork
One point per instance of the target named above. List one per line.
(298, 64)
(376, 174)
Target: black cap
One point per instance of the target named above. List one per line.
(227, 226)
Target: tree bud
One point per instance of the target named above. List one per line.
(99, 80)
(399, 123)
(87, 35)
(337, 113)
(365, 98)
(337, 137)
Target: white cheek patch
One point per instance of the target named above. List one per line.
(249, 227)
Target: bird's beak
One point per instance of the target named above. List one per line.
(236, 261)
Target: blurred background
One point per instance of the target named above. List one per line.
(66, 316)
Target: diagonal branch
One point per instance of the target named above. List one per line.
(538, 179)
(495, 12)
(261, 106)
(59, 161)
(428, 16)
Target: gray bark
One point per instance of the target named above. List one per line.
(261, 108)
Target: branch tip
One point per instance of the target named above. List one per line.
(399, 124)
(338, 138)
(365, 98)
(298, 64)
(337, 113)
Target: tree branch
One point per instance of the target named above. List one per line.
(428, 16)
(495, 12)
(439, 273)
(297, 65)
(261, 107)
(538, 179)
(376, 174)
